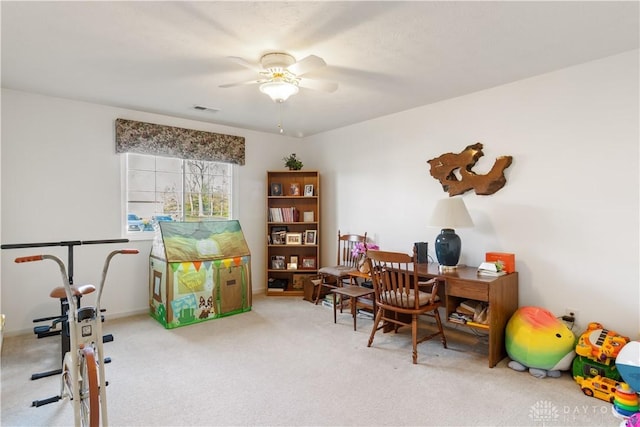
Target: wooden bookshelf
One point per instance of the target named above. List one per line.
(292, 230)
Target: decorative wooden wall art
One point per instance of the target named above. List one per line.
(443, 169)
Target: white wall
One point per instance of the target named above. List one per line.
(61, 180)
(569, 210)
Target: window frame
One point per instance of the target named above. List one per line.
(125, 233)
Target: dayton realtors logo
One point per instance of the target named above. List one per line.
(546, 413)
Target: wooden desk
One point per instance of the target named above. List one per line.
(500, 292)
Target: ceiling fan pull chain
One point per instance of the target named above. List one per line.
(280, 118)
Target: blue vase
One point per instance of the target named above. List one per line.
(448, 246)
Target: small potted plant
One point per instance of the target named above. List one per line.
(292, 162)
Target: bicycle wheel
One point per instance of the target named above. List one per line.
(89, 389)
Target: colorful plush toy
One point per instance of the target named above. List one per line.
(536, 340)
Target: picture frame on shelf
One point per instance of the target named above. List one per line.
(277, 262)
(292, 266)
(294, 189)
(308, 263)
(293, 238)
(297, 280)
(278, 234)
(310, 237)
(308, 190)
(293, 259)
(276, 189)
(278, 237)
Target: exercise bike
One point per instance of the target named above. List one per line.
(58, 323)
(83, 376)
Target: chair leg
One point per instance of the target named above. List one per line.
(396, 325)
(414, 337)
(319, 290)
(318, 295)
(376, 322)
(324, 281)
(439, 323)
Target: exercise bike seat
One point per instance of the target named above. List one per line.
(78, 290)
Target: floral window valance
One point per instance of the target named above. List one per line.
(169, 141)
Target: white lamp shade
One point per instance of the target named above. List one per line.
(278, 90)
(451, 213)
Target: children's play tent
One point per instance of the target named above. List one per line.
(198, 271)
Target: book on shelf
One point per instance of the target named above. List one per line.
(463, 310)
(327, 301)
(455, 318)
(290, 214)
(365, 313)
(472, 306)
(460, 317)
(491, 269)
(479, 314)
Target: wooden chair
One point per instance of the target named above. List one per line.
(338, 274)
(401, 298)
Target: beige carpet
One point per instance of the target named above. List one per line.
(287, 363)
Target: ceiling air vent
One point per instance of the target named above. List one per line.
(203, 108)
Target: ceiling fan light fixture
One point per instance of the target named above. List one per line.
(279, 90)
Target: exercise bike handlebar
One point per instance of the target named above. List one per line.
(29, 258)
(106, 267)
(63, 270)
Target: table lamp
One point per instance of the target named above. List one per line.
(448, 214)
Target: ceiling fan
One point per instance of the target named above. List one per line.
(280, 75)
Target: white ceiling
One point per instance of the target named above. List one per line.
(167, 57)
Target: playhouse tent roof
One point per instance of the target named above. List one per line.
(199, 241)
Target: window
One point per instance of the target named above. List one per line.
(172, 189)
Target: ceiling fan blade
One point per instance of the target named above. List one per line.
(248, 82)
(321, 85)
(306, 65)
(241, 61)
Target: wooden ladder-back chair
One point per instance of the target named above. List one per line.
(401, 298)
(336, 275)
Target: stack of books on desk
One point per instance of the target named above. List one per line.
(493, 269)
